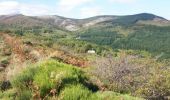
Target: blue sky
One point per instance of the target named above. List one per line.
(85, 8)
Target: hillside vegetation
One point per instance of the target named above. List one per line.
(48, 58)
(153, 39)
(54, 80)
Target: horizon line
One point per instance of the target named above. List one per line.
(100, 15)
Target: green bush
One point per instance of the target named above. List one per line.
(8, 95)
(109, 95)
(49, 75)
(75, 92)
(25, 95)
(56, 75)
(22, 81)
(53, 80)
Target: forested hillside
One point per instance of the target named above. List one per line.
(154, 39)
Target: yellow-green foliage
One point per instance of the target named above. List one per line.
(54, 80)
(49, 75)
(76, 92)
(109, 95)
(8, 95)
(79, 92)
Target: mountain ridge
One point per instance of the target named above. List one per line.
(72, 24)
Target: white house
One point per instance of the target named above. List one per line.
(78, 38)
(91, 51)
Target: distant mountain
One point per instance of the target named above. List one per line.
(131, 19)
(70, 24)
(137, 32)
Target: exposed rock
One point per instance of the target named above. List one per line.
(72, 28)
(102, 19)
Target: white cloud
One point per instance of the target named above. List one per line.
(123, 1)
(30, 10)
(90, 11)
(9, 7)
(67, 5)
(14, 7)
(64, 7)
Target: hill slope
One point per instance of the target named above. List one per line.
(138, 32)
(21, 21)
(38, 55)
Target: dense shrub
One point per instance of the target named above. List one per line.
(143, 77)
(25, 95)
(47, 77)
(53, 80)
(110, 95)
(77, 92)
(8, 95)
(157, 86)
(22, 81)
